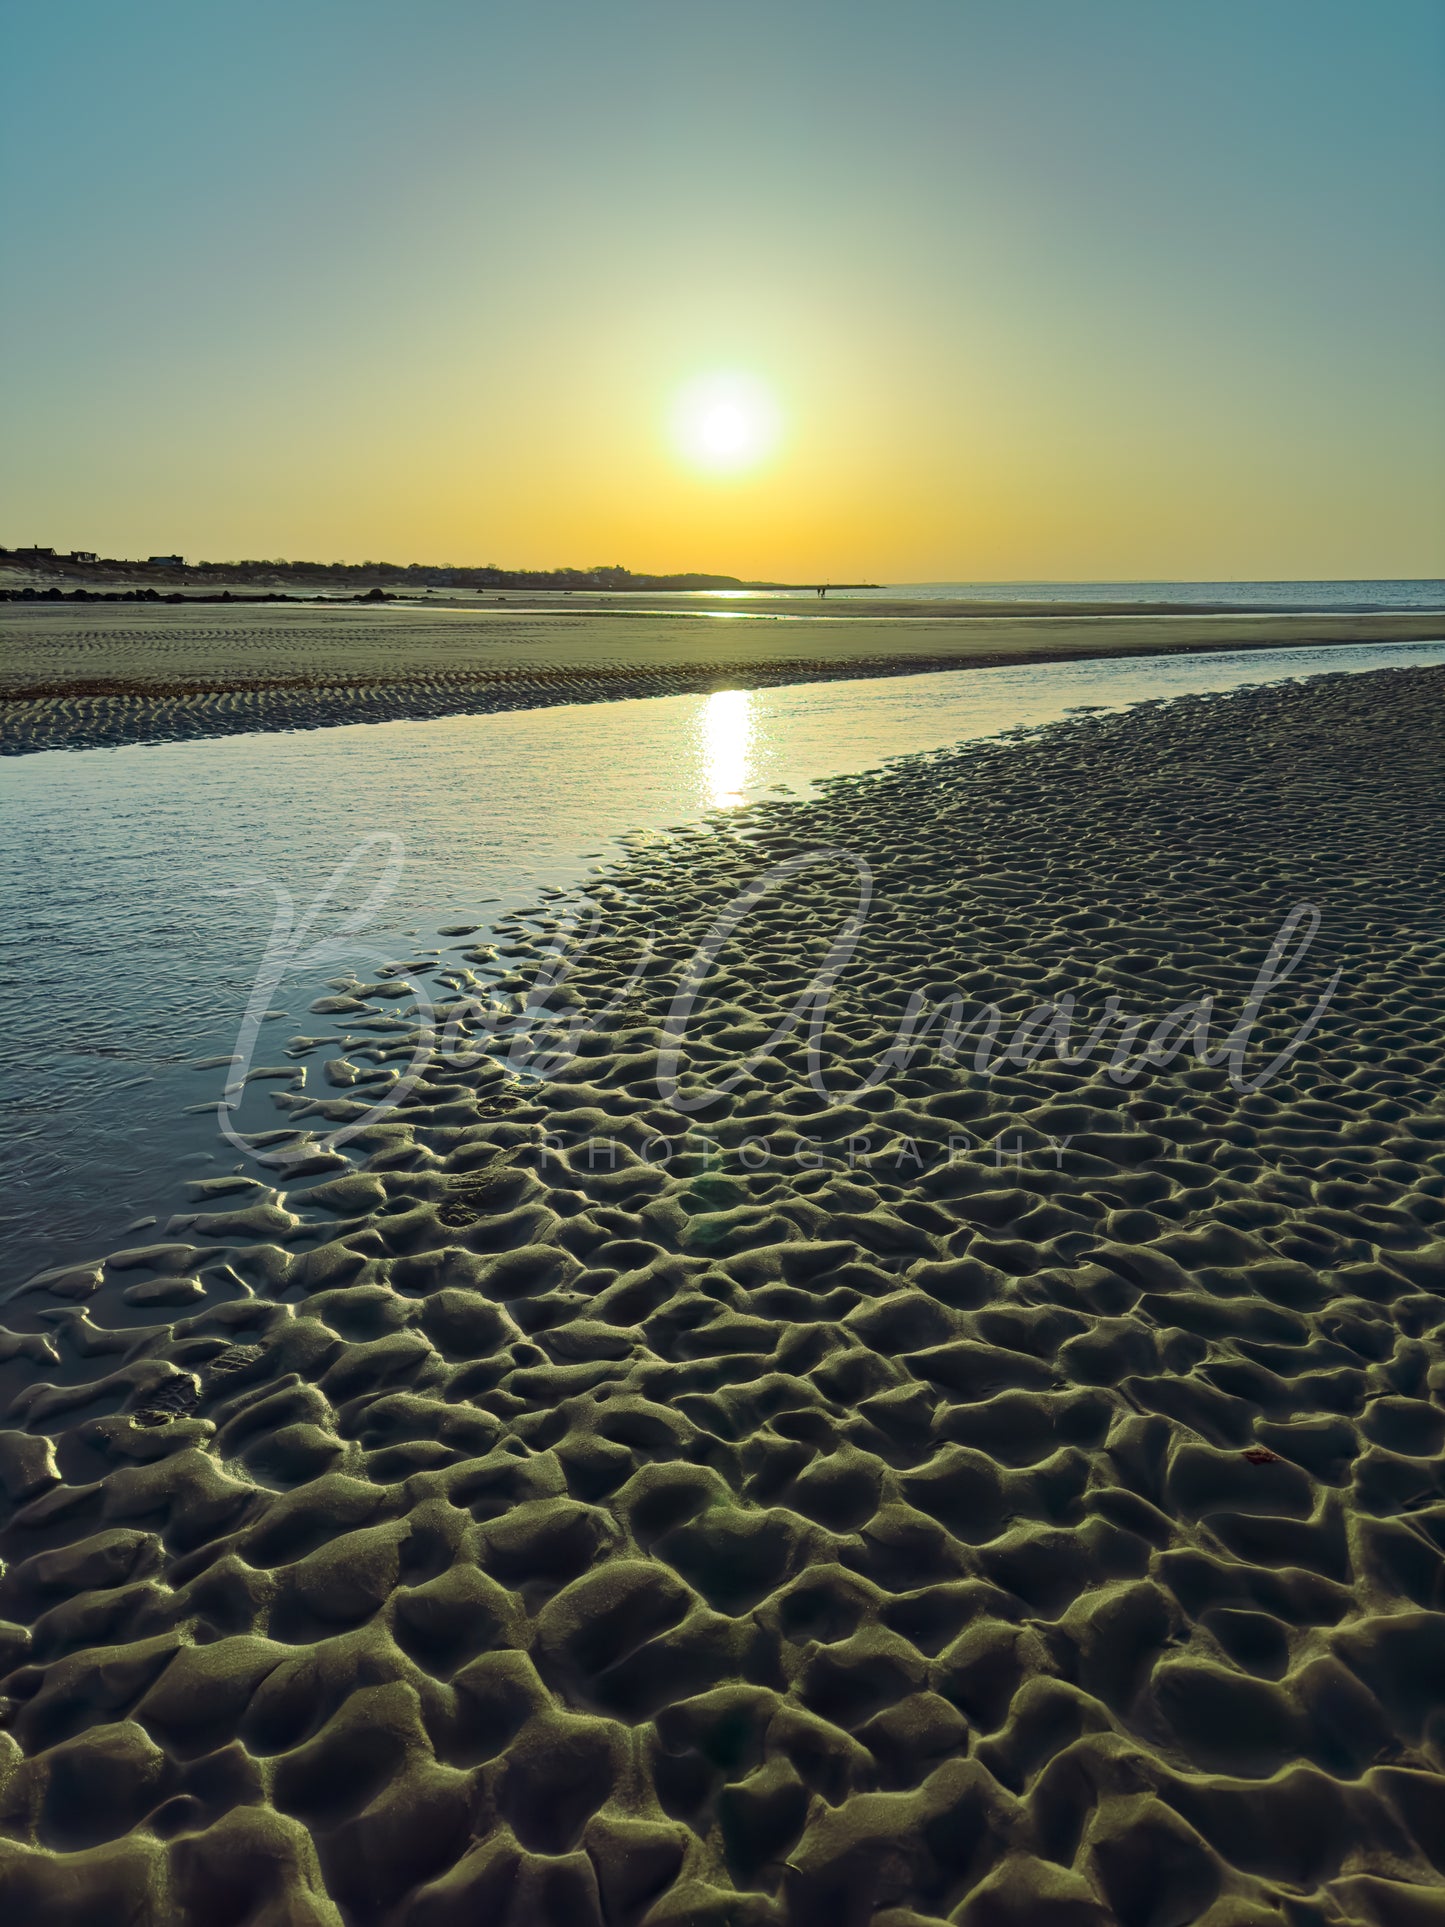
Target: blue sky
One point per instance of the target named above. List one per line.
(1106, 289)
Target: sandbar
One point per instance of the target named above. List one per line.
(99, 674)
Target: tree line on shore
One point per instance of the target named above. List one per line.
(398, 575)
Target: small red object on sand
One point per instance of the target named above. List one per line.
(1261, 1455)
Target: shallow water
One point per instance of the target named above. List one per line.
(142, 880)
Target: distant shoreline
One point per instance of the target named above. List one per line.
(34, 576)
(86, 570)
(374, 595)
(695, 602)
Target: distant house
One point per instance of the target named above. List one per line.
(82, 555)
(166, 561)
(36, 555)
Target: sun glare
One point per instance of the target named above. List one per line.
(725, 736)
(725, 423)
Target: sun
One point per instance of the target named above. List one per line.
(725, 423)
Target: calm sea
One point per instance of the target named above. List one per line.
(1425, 593)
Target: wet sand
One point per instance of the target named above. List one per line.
(81, 677)
(1031, 1517)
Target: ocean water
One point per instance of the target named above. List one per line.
(143, 883)
(1401, 595)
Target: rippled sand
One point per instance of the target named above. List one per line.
(80, 677)
(1049, 1533)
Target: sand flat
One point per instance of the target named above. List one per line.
(1007, 1497)
(81, 676)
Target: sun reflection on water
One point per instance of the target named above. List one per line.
(726, 730)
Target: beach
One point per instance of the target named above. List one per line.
(100, 674)
(885, 1368)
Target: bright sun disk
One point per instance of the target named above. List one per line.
(725, 423)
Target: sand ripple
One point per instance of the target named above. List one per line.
(1053, 1536)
